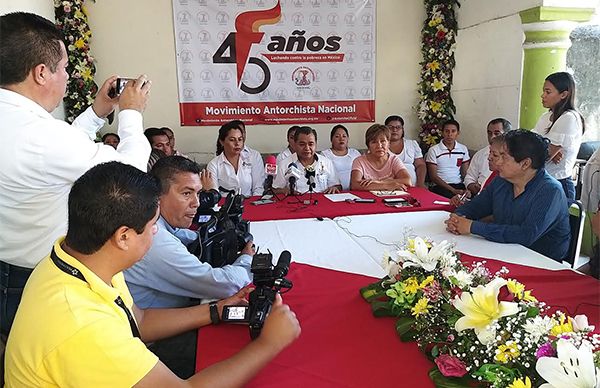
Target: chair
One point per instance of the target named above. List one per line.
(576, 222)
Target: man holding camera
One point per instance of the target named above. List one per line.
(43, 156)
(77, 324)
(168, 275)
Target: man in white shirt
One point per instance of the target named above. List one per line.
(447, 162)
(306, 159)
(479, 170)
(44, 156)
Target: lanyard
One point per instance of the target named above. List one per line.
(70, 270)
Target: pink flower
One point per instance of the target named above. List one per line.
(546, 350)
(450, 366)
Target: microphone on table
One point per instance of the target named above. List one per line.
(270, 171)
(310, 177)
(292, 174)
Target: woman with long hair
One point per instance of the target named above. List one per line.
(563, 125)
(233, 168)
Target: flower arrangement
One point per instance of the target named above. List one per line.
(481, 327)
(438, 37)
(71, 18)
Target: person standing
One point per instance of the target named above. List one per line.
(43, 155)
(563, 125)
(341, 155)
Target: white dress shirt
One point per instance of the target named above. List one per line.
(479, 169)
(325, 174)
(286, 153)
(566, 132)
(41, 159)
(342, 164)
(249, 178)
(410, 152)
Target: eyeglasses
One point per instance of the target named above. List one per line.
(395, 126)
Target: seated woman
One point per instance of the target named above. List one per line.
(408, 150)
(341, 156)
(529, 207)
(378, 169)
(234, 169)
(111, 139)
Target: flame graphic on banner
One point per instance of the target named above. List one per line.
(246, 26)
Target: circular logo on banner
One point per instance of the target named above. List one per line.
(303, 77)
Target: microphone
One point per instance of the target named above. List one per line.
(310, 176)
(292, 175)
(271, 171)
(283, 264)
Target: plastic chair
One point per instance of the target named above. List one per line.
(576, 222)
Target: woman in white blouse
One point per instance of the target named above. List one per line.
(563, 125)
(236, 168)
(341, 156)
(408, 151)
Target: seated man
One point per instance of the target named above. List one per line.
(479, 170)
(168, 275)
(528, 206)
(159, 140)
(77, 325)
(447, 162)
(306, 159)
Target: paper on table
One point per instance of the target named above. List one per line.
(340, 197)
(388, 193)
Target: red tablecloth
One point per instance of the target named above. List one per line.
(290, 207)
(343, 345)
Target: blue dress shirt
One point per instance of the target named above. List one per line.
(168, 275)
(538, 218)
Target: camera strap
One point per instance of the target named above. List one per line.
(70, 270)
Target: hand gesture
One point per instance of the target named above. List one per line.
(135, 94)
(281, 327)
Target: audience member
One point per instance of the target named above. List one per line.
(447, 162)
(168, 275)
(171, 136)
(236, 167)
(44, 155)
(479, 170)
(305, 159)
(379, 169)
(78, 326)
(408, 150)
(289, 150)
(159, 140)
(528, 206)
(564, 126)
(111, 139)
(495, 150)
(154, 156)
(341, 155)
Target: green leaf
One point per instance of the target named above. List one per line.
(382, 309)
(533, 312)
(405, 324)
(442, 381)
(435, 351)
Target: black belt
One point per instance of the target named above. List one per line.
(70, 270)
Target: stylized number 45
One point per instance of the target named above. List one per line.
(219, 57)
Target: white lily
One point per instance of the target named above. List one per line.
(423, 257)
(573, 368)
(481, 309)
(580, 323)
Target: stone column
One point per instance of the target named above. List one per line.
(547, 32)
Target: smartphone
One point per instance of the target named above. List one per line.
(119, 86)
(394, 200)
(262, 202)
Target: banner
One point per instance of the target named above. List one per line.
(275, 61)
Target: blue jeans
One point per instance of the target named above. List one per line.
(12, 282)
(569, 187)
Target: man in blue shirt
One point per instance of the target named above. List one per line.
(527, 205)
(168, 275)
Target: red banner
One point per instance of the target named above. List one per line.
(289, 112)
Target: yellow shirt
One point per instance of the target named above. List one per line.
(71, 333)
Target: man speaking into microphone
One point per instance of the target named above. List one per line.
(295, 167)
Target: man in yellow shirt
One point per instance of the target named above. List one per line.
(77, 324)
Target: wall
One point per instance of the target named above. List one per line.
(135, 36)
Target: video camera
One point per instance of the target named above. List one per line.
(224, 233)
(268, 281)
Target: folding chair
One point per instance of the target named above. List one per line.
(576, 222)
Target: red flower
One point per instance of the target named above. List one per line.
(440, 35)
(450, 366)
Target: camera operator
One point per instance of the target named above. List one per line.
(168, 275)
(43, 156)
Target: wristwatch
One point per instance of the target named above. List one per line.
(214, 313)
